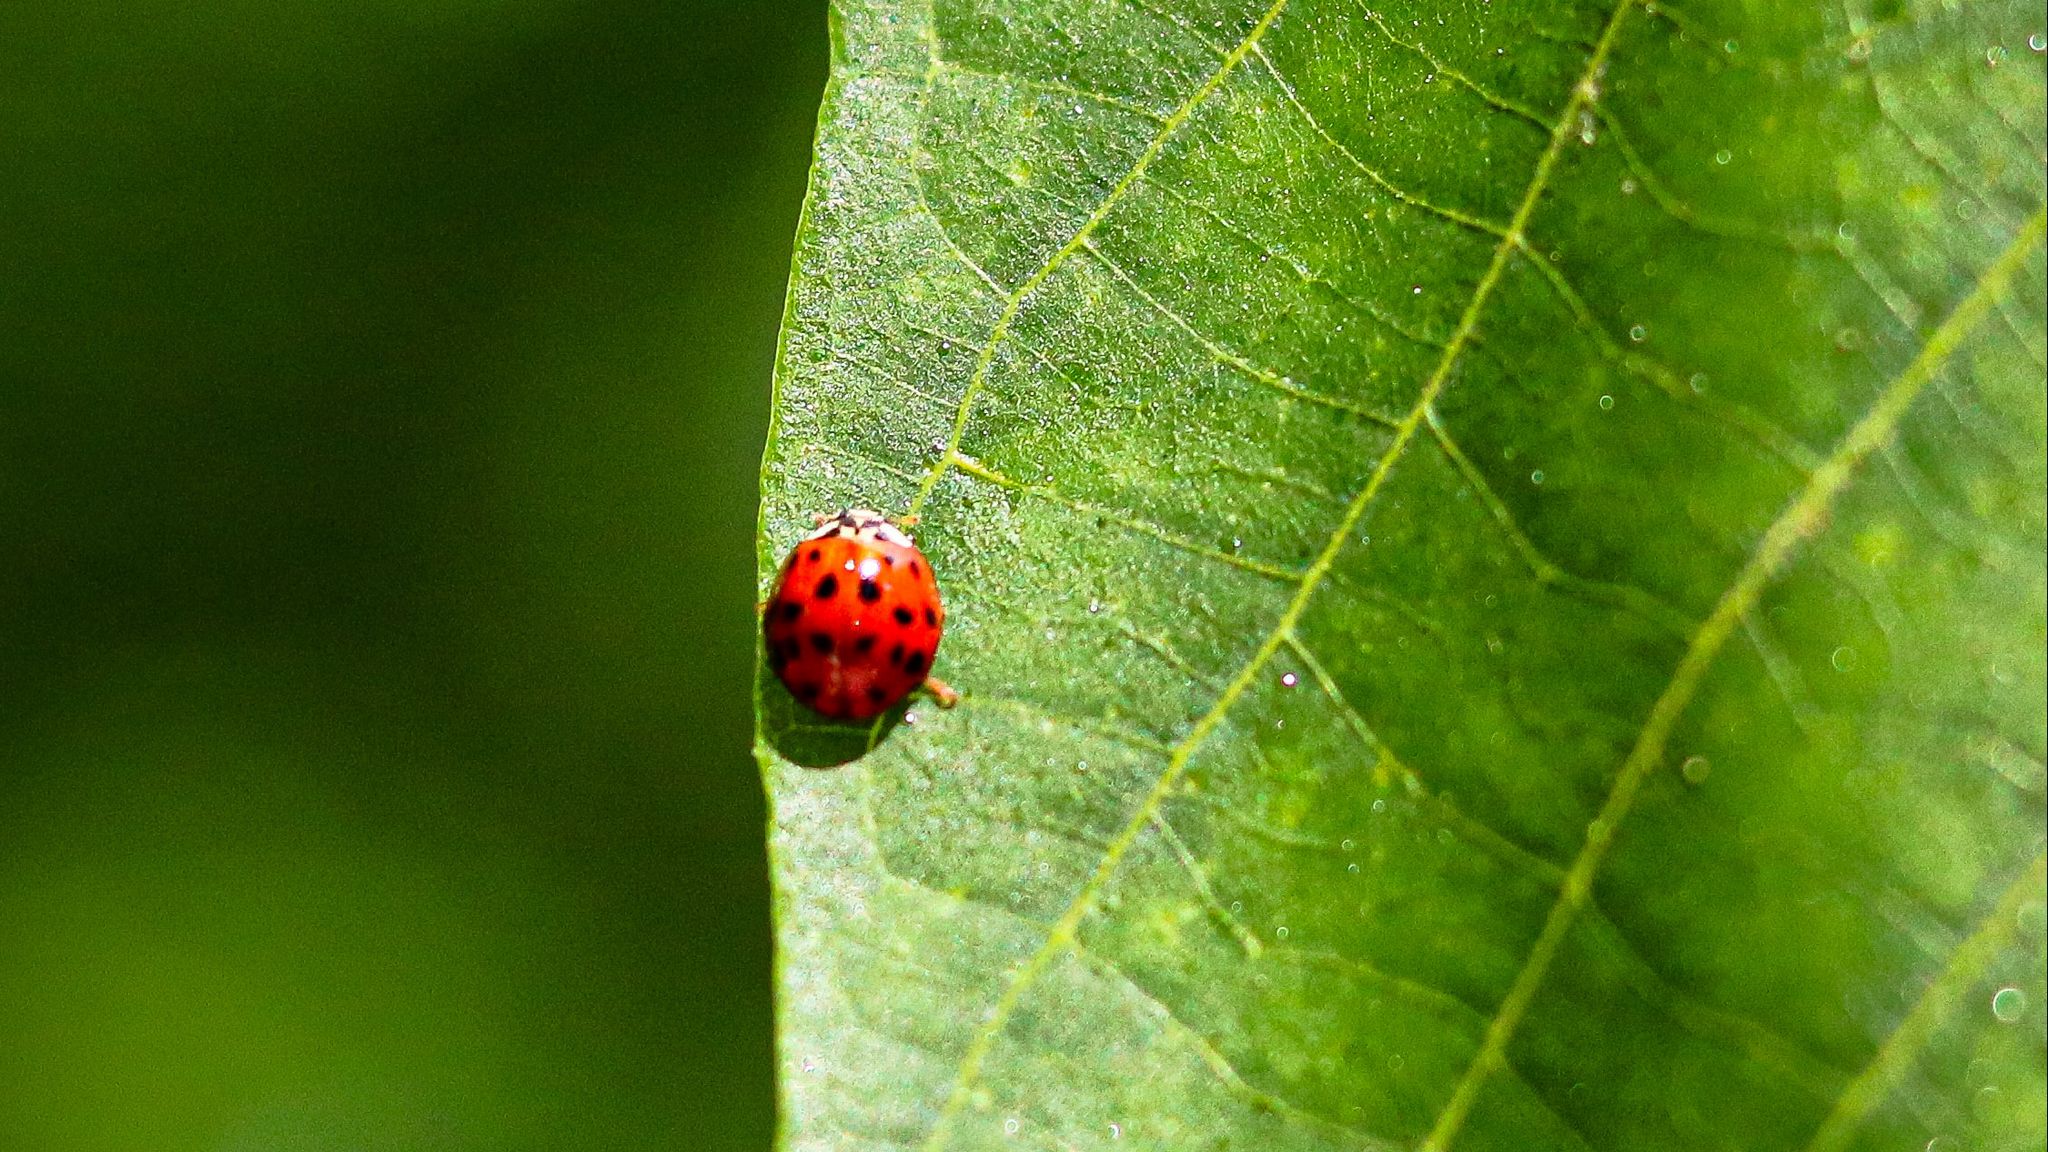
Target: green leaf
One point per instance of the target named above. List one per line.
(1495, 565)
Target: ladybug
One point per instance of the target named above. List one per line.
(855, 620)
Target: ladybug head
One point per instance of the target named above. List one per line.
(861, 524)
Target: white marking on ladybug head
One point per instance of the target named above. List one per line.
(859, 524)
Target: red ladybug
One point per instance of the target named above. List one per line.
(855, 620)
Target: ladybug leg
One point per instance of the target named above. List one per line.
(941, 692)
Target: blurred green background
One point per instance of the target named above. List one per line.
(381, 394)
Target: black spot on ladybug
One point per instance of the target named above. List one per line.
(822, 641)
(828, 587)
(790, 609)
(876, 694)
(864, 645)
(870, 591)
(791, 649)
(888, 561)
(896, 654)
(916, 570)
(915, 664)
(903, 616)
(807, 691)
(777, 660)
(931, 617)
(815, 555)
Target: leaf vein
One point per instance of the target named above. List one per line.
(1895, 1056)
(1548, 573)
(1063, 934)
(1804, 516)
(1265, 376)
(1463, 219)
(972, 467)
(1014, 303)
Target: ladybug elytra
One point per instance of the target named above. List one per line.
(855, 620)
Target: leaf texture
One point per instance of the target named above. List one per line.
(1494, 557)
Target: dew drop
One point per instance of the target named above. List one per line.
(1994, 55)
(1843, 658)
(1280, 933)
(1628, 187)
(1607, 403)
(1536, 477)
(1116, 1131)
(1011, 1126)
(1289, 680)
(1416, 289)
(1698, 383)
(1351, 868)
(1638, 333)
(2038, 42)
(1237, 905)
(1396, 1062)
(2008, 1004)
(1723, 156)
(1695, 769)
(1731, 47)
(1379, 805)
(1348, 845)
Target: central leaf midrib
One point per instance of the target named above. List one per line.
(1064, 928)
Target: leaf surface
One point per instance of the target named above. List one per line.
(1494, 557)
